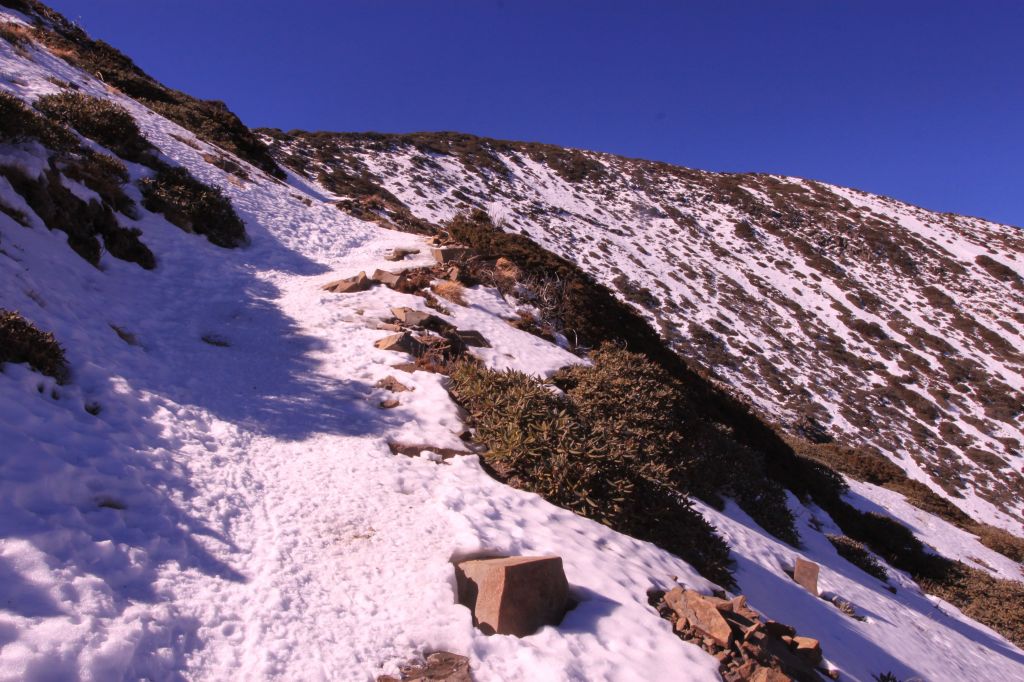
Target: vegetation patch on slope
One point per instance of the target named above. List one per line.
(99, 120)
(193, 206)
(21, 341)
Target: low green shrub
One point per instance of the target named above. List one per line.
(193, 206)
(104, 175)
(856, 554)
(573, 453)
(21, 341)
(100, 120)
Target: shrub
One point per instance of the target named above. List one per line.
(19, 123)
(568, 451)
(193, 206)
(100, 120)
(856, 554)
(104, 175)
(21, 341)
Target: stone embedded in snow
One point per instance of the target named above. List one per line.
(389, 327)
(700, 614)
(401, 342)
(390, 383)
(513, 595)
(450, 254)
(389, 279)
(440, 666)
(470, 337)
(411, 316)
(399, 254)
(806, 575)
(389, 403)
(348, 285)
(808, 648)
(762, 674)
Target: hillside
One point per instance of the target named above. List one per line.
(228, 454)
(843, 317)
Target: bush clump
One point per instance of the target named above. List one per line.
(19, 123)
(193, 206)
(859, 556)
(100, 120)
(21, 341)
(583, 453)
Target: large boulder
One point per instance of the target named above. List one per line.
(513, 595)
(388, 279)
(411, 316)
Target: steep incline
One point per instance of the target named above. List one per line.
(841, 315)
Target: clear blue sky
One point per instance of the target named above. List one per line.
(919, 100)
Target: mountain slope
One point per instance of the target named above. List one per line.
(842, 316)
(211, 493)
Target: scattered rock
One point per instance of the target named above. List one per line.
(472, 338)
(349, 285)
(216, 340)
(701, 614)
(513, 595)
(440, 666)
(389, 383)
(411, 316)
(402, 342)
(389, 403)
(808, 648)
(762, 674)
(389, 327)
(450, 254)
(388, 279)
(776, 629)
(416, 450)
(400, 254)
(806, 575)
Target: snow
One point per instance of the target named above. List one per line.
(234, 512)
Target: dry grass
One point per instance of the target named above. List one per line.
(451, 291)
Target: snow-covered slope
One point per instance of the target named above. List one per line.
(838, 314)
(211, 496)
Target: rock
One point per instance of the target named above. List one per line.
(762, 674)
(809, 649)
(401, 342)
(440, 666)
(411, 316)
(399, 254)
(806, 575)
(392, 384)
(349, 285)
(450, 254)
(389, 403)
(389, 327)
(389, 279)
(776, 629)
(701, 614)
(472, 338)
(513, 595)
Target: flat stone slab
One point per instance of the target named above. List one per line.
(389, 279)
(806, 575)
(701, 614)
(513, 595)
(349, 285)
(449, 254)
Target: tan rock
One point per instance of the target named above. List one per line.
(390, 383)
(389, 403)
(513, 595)
(349, 285)
(410, 315)
(806, 575)
(399, 254)
(401, 342)
(701, 614)
(762, 674)
(449, 254)
(809, 649)
(390, 279)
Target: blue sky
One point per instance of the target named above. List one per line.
(923, 101)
